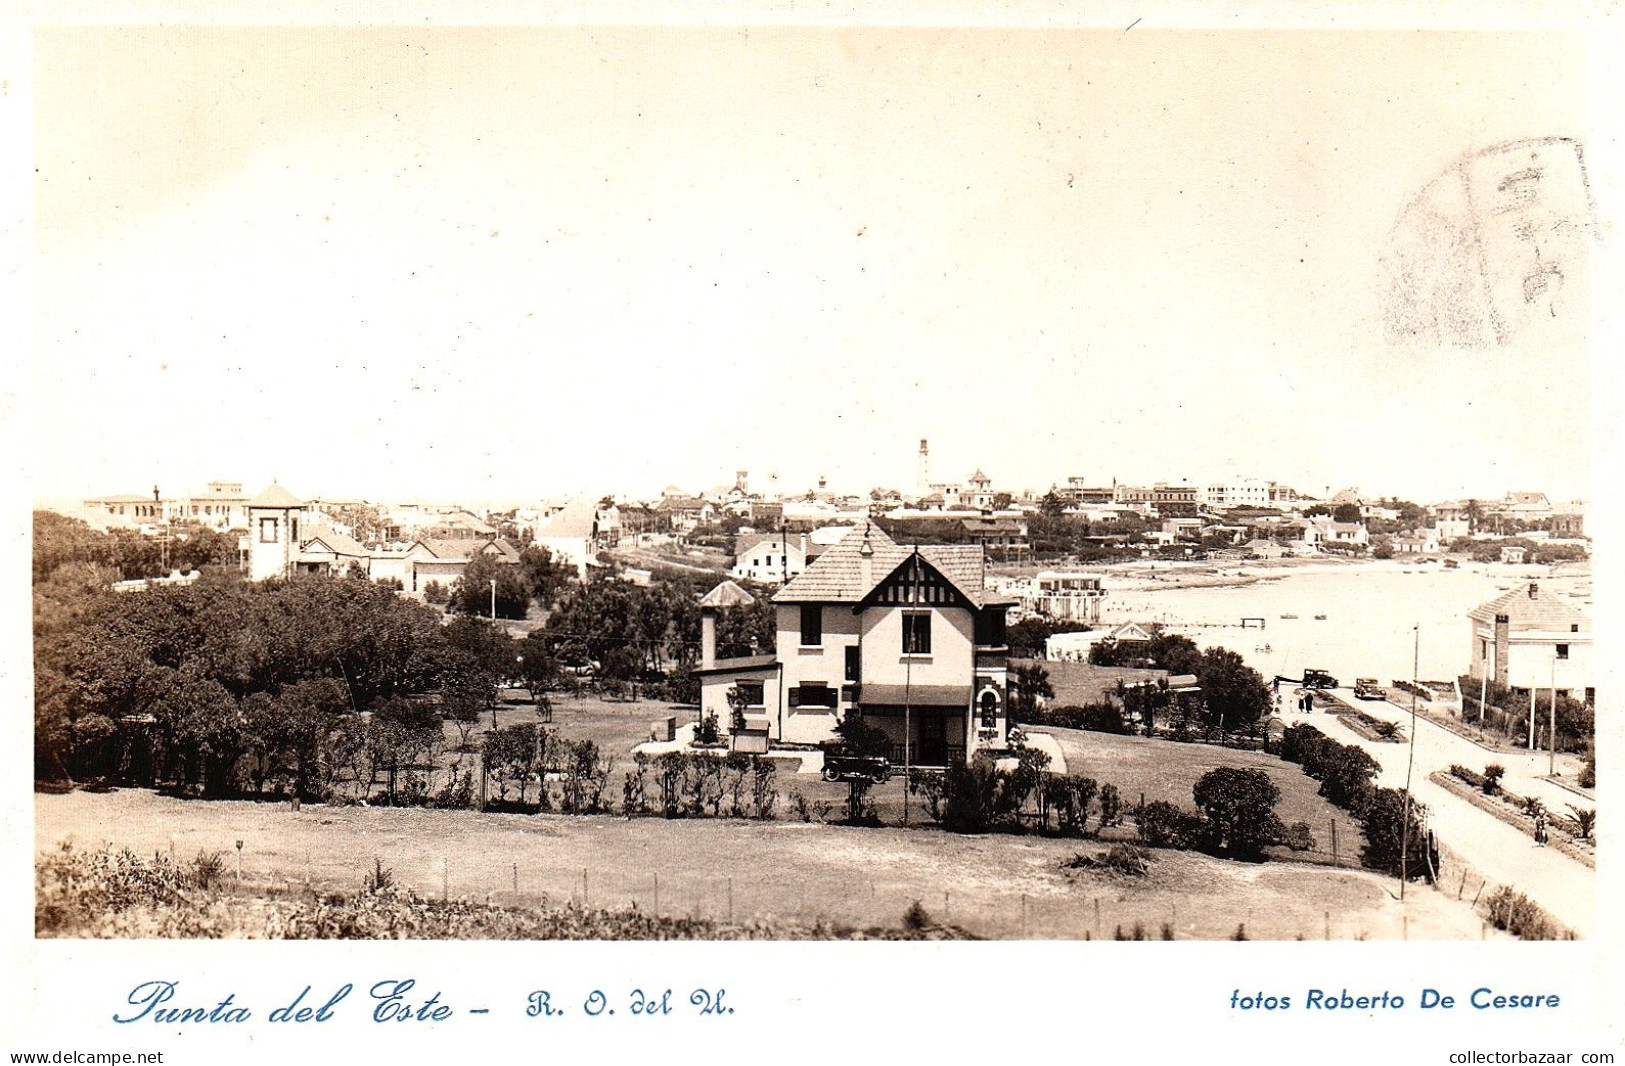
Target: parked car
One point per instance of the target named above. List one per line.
(841, 763)
(1368, 688)
(1318, 679)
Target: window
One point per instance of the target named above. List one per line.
(751, 693)
(917, 634)
(990, 710)
(1562, 651)
(990, 629)
(267, 531)
(853, 661)
(812, 625)
(813, 694)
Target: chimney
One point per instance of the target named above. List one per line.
(708, 637)
(866, 560)
(1502, 641)
(1534, 591)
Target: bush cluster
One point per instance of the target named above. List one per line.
(1508, 909)
(701, 785)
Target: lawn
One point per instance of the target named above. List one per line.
(1168, 770)
(994, 885)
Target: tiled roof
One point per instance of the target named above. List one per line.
(1543, 612)
(276, 496)
(334, 541)
(746, 541)
(578, 519)
(836, 576)
(727, 594)
(734, 666)
(465, 548)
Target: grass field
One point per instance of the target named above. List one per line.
(1166, 770)
(993, 886)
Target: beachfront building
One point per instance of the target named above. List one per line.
(1065, 596)
(1532, 638)
(1321, 531)
(908, 638)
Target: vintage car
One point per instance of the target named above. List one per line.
(1369, 688)
(841, 763)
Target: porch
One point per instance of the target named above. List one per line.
(935, 735)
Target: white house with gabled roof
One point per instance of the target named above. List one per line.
(908, 638)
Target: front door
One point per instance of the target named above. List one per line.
(933, 740)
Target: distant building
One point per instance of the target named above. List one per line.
(1530, 638)
(444, 560)
(769, 558)
(1066, 595)
(1321, 531)
(575, 535)
(273, 533)
(1420, 542)
(1001, 536)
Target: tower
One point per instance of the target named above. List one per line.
(273, 533)
(923, 486)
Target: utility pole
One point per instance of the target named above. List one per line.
(1410, 762)
(493, 600)
(1551, 725)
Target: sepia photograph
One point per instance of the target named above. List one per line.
(783, 483)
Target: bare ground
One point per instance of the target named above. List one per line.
(995, 886)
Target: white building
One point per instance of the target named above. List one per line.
(1533, 640)
(1065, 595)
(769, 558)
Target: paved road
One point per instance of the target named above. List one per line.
(1565, 887)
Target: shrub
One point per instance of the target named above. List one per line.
(977, 797)
(706, 731)
(1069, 796)
(1298, 837)
(1161, 824)
(1299, 744)
(1519, 915)
(1346, 775)
(1111, 807)
(1384, 825)
(381, 879)
(1586, 820)
(1122, 859)
(1240, 809)
(860, 809)
(434, 592)
(927, 784)
(1492, 778)
(1462, 773)
(763, 796)
(208, 869)
(800, 805)
(915, 919)
(1588, 774)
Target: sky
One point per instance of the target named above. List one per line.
(503, 264)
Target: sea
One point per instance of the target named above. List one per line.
(1386, 620)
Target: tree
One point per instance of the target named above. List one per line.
(1240, 809)
(1001, 501)
(471, 593)
(59, 540)
(1052, 504)
(1385, 830)
(1028, 685)
(1234, 695)
(1346, 512)
(863, 738)
(542, 575)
